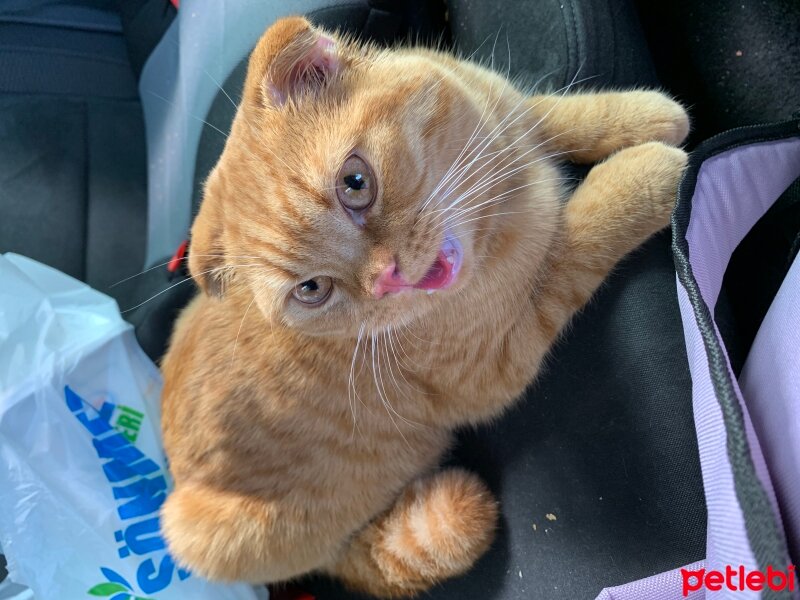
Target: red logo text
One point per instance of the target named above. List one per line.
(738, 579)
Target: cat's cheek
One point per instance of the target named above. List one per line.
(334, 318)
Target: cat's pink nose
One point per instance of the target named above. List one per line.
(389, 281)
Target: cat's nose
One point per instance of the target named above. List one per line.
(389, 281)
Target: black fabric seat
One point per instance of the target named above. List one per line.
(72, 151)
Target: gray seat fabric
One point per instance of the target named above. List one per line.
(72, 153)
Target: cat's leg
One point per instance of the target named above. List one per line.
(437, 529)
(591, 126)
(229, 536)
(622, 202)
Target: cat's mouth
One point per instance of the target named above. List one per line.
(440, 275)
(444, 270)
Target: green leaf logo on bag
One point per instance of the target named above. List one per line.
(140, 488)
(106, 589)
(116, 586)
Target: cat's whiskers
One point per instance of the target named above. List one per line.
(500, 172)
(399, 332)
(402, 356)
(502, 126)
(474, 52)
(386, 335)
(495, 133)
(455, 218)
(165, 263)
(378, 387)
(218, 130)
(494, 177)
(458, 212)
(185, 259)
(410, 423)
(244, 118)
(193, 116)
(408, 330)
(478, 128)
(352, 391)
(460, 205)
(452, 217)
(499, 154)
(402, 330)
(497, 199)
(481, 123)
(459, 168)
(400, 364)
(382, 335)
(393, 336)
(241, 324)
(500, 214)
(486, 142)
(222, 89)
(188, 279)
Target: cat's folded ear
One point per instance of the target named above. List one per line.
(291, 58)
(206, 251)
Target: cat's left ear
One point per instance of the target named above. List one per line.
(290, 59)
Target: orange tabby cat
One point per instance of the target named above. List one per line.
(386, 255)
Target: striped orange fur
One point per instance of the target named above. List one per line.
(307, 438)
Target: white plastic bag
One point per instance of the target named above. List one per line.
(82, 469)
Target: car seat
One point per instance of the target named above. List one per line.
(596, 468)
(72, 147)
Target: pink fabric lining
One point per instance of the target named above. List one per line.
(733, 191)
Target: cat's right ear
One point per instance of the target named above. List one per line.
(206, 250)
(290, 59)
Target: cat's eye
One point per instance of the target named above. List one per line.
(355, 184)
(313, 291)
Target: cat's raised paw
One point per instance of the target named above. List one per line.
(652, 173)
(664, 119)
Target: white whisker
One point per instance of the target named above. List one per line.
(378, 387)
(247, 310)
(214, 127)
(154, 296)
(352, 392)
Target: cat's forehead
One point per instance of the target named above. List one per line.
(379, 110)
(316, 139)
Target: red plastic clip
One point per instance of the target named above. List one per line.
(180, 254)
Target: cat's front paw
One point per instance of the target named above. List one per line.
(226, 536)
(663, 119)
(662, 168)
(634, 191)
